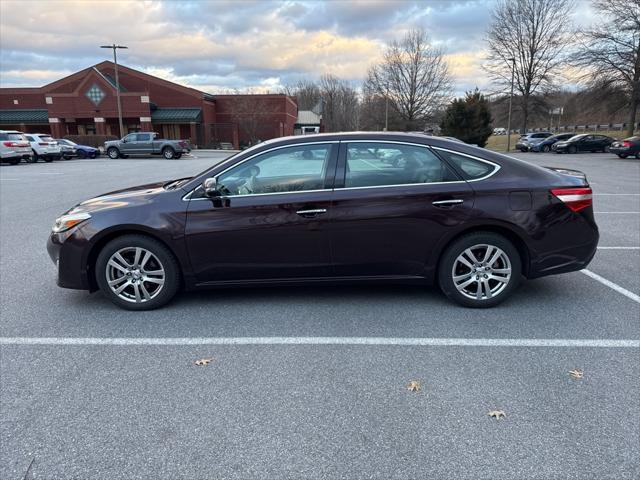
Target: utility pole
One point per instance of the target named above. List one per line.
(386, 109)
(114, 47)
(513, 70)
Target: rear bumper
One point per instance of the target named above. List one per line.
(623, 150)
(16, 153)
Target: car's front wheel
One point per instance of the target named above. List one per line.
(137, 272)
(480, 270)
(113, 153)
(546, 148)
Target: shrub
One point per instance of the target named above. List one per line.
(468, 119)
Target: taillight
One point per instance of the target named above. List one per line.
(575, 198)
(627, 144)
(10, 144)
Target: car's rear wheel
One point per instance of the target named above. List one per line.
(638, 155)
(34, 157)
(622, 155)
(137, 272)
(168, 153)
(81, 154)
(573, 149)
(546, 148)
(13, 161)
(606, 149)
(113, 153)
(480, 270)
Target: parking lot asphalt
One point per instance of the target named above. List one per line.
(138, 407)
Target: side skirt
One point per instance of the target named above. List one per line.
(403, 279)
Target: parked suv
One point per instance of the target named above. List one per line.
(45, 147)
(528, 140)
(13, 147)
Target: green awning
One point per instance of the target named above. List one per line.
(176, 115)
(18, 116)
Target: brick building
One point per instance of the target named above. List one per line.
(84, 103)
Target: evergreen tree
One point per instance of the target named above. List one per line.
(468, 119)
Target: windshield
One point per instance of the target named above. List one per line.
(67, 142)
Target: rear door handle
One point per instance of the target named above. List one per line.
(313, 212)
(445, 203)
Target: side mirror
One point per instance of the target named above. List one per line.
(210, 187)
(124, 140)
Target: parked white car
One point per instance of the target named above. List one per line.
(43, 146)
(14, 147)
(499, 131)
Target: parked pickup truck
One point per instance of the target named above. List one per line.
(146, 143)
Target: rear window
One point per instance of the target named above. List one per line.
(470, 168)
(12, 136)
(47, 138)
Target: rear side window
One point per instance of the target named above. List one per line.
(144, 137)
(377, 164)
(471, 168)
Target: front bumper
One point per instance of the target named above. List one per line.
(623, 150)
(67, 251)
(523, 146)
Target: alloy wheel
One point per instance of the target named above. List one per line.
(135, 274)
(481, 272)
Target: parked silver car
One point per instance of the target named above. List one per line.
(528, 140)
(14, 147)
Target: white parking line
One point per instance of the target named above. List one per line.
(614, 286)
(384, 341)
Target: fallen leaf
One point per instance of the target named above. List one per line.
(414, 386)
(203, 361)
(497, 414)
(576, 373)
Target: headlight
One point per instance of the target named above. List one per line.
(65, 222)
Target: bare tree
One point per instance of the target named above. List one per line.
(530, 36)
(609, 52)
(340, 104)
(414, 76)
(307, 93)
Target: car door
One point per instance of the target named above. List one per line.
(143, 143)
(270, 220)
(386, 217)
(128, 145)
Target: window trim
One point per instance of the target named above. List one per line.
(342, 162)
(329, 173)
(490, 174)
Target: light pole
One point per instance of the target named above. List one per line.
(114, 47)
(513, 70)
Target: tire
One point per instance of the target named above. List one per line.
(168, 153)
(573, 149)
(34, 157)
(523, 150)
(81, 154)
(638, 155)
(623, 155)
(160, 258)
(67, 157)
(48, 159)
(14, 161)
(605, 149)
(479, 243)
(546, 148)
(178, 155)
(113, 153)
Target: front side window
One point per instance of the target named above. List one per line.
(144, 137)
(130, 138)
(375, 164)
(291, 169)
(471, 168)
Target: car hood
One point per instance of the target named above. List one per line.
(128, 197)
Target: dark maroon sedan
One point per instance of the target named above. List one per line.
(333, 208)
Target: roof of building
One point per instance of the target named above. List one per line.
(176, 115)
(27, 116)
(307, 117)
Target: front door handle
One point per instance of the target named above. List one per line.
(446, 203)
(313, 212)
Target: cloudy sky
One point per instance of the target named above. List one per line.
(232, 44)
